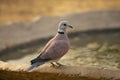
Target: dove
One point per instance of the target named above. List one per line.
(56, 48)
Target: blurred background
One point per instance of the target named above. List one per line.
(27, 25)
(26, 10)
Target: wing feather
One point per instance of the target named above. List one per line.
(56, 50)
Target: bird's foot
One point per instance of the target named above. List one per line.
(56, 64)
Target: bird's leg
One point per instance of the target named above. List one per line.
(56, 64)
(59, 64)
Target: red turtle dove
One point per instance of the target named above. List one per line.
(57, 47)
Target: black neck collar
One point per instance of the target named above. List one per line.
(60, 32)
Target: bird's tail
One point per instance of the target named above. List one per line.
(35, 63)
(33, 66)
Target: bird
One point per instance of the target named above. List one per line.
(56, 48)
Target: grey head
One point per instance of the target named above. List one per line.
(63, 25)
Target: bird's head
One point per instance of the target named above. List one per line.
(63, 25)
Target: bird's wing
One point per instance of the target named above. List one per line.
(46, 46)
(55, 50)
(38, 59)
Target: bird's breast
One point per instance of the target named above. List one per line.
(60, 49)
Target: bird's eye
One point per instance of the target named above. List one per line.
(64, 24)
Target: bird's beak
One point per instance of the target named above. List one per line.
(70, 26)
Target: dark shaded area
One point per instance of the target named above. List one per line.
(84, 37)
(101, 36)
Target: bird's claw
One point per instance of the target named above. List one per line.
(56, 64)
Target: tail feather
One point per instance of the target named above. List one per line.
(36, 62)
(39, 60)
(33, 66)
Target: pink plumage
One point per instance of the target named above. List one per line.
(57, 47)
